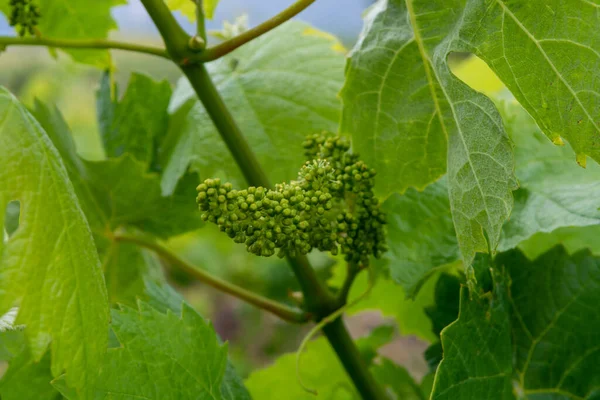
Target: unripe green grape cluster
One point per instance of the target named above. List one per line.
(330, 207)
(24, 14)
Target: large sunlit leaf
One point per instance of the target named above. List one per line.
(279, 88)
(49, 266)
(57, 129)
(412, 119)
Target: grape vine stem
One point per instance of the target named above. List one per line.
(318, 300)
(6, 41)
(281, 310)
(228, 46)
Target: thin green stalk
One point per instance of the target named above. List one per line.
(231, 134)
(346, 350)
(317, 297)
(200, 20)
(337, 335)
(282, 311)
(6, 41)
(229, 45)
(352, 272)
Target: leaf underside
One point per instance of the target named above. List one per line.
(414, 124)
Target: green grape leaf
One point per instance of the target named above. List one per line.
(378, 337)
(442, 313)
(421, 234)
(79, 19)
(554, 191)
(413, 124)
(120, 191)
(27, 378)
(188, 8)
(12, 343)
(127, 269)
(572, 239)
(555, 195)
(477, 361)
(322, 371)
(396, 379)
(319, 368)
(131, 196)
(163, 297)
(232, 387)
(162, 356)
(446, 305)
(209, 7)
(11, 217)
(59, 132)
(76, 19)
(391, 301)
(522, 36)
(427, 385)
(535, 337)
(50, 265)
(555, 325)
(279, 88)
(136, 123)
(106, 103)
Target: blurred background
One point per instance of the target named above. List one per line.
(255, 337)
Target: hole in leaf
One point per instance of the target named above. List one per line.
(11, 217)
(474, 72)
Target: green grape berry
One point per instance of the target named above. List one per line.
(329, 207)
(24, 15)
